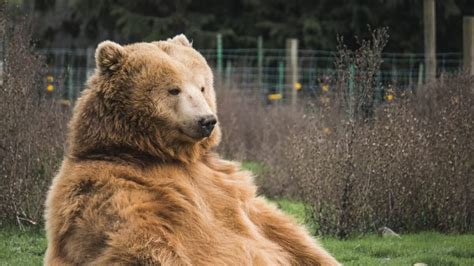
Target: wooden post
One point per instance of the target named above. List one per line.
(420, 75)
(468, 44)
(292, 67)
(429, 15)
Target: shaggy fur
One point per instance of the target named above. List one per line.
(134, 190)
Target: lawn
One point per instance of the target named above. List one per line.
(27, 247)
(21, 248)
(427, 247)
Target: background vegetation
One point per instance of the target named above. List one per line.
(83, 23)
(406, 164)
(33, 127)
(409, 167)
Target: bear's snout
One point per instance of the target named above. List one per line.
(206, 125)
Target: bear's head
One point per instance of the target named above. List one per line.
(146, 101)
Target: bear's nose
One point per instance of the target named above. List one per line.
(206, 124)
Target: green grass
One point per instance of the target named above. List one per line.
(28, 247)
(427, 247)
(294, 208)
(255, 167)
(21, 247)
(430, 248)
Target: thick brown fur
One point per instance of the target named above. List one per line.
(134, 190)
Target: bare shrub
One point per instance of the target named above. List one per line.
(32, 128)
(253, 131)
(405, 164)
(408, 169)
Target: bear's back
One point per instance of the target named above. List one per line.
(94, 207)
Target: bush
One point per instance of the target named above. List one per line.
(253, 131)
(408, 168)
(406, 164)
(33, 127)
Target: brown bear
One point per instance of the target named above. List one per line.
(139, 184)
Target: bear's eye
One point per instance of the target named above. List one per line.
(202, 89)
(174, 91)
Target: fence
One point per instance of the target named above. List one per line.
(71, 67)
(260, 69)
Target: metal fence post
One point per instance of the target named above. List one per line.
(219, 54)
(281, 78)
(71, 90)
(378, 96)
(90, 61)
(394, 75)
(260, 61)
(228, 73)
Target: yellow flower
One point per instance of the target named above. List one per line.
(325, 88)
(274, 96)
(390, 95)
(297, 86)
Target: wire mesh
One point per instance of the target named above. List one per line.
(241, 68)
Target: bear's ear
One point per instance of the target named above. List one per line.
(182, 40)
(109, 56)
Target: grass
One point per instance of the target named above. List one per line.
(21, 247)
(255, 167)
(426, 247)
(28, 247)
